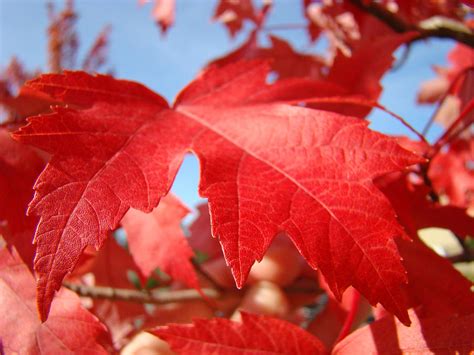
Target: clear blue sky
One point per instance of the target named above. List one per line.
(165, 64)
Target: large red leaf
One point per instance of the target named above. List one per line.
(266, 167)
(156, 240)
(439, 335)
(69, 329)
(256, 334)
(20, 165)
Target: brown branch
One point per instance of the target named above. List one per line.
(466, 255)
(461, 258)
(399, 25)
(128, 295)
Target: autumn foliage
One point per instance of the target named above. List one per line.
(309, 242)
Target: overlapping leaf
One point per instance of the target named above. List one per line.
(439, 335)
(256, 334)
(200, 238)
(415, 210)
(20, 165)
(266, 167)
(452, 174)
(156, 240)
(433, 284)
(69, 329)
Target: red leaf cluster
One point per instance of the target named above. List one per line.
(311, 214)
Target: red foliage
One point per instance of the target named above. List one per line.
(295, 180)
(69, 328)
(254, 334)
(226, 113)
(156, 240)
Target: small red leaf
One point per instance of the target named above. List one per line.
(415, 210)
(20, 165)
(433, 283)
(69, 329)
(254, 335)
(200, 238)
(156, 240)
(111, 267)
(233, 14)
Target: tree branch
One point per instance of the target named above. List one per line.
(128, 295)
(399, 25)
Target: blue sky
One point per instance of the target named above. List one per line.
(165, 64)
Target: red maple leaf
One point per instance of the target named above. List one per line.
(254, 335)
(444, 335)
(434, 286)
(233, 14)
(285, 61)
(266, 167)
(69, 329)
(416, 211)
(20, 165)
(200, 238)
(156, 240)
(358, 78)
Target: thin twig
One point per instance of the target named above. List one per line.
(461, 258)
(467, 254)
(157, 297)
(400, 26)
(449, 135)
